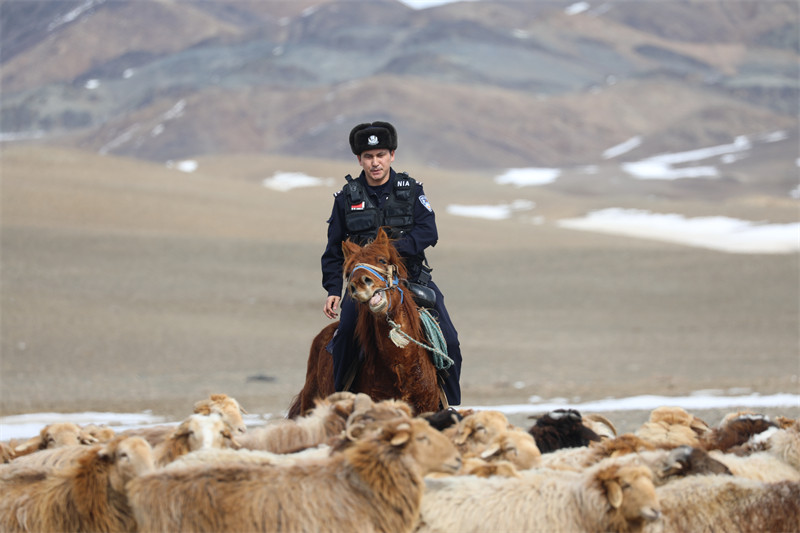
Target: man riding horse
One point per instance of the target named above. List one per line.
(380, 197)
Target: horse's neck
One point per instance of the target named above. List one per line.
(374, 329)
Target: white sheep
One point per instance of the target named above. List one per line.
(326, 420)
(373, 484)
(215, 456)
(194, 433)
(86, 497)
(605, 497)
(221, 404)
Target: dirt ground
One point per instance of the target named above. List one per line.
(129, 287)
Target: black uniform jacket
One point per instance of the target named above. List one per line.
(411, 245)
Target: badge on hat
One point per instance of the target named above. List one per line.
(373, 140)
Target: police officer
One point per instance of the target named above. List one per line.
(381, 197)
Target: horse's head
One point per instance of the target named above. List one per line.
(373, 272)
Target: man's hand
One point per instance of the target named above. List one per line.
(332, 306)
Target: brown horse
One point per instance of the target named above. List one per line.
(393, 366)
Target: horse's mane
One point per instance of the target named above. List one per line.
(379, 252)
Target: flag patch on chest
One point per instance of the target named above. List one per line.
(357, 207)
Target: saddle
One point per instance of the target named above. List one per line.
(423, 295)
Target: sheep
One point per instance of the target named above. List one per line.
(670, 426)
(475, 466)
(54, 435)
(515, 446)
(708, 504)
(444, 418)
(216, 456)
(373, 484)
(194, 433)
(226, 407)
(666, 463)
(474, 432)
(6, 452)
(326, 420)
(102, 433)
(601, 425)
(88, 496)
(49, 459)
(762, 466)
(365, 417)
(577, 459)
(605, 497)
(736, 429)
(561, 428)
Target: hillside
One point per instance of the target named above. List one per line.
(470, 85)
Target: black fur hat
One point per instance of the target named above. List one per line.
(373, 136)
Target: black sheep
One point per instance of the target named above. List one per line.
(561, 428)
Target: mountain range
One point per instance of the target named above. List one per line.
(469, 85)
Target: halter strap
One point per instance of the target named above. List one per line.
(389, 277)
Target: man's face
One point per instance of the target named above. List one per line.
(376, 164)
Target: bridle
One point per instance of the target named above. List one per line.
(388, 277)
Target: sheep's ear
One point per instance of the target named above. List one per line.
(490, 451)
(462, 435)
(614, 493)
(203, 407)
(34, 443)
(86, 438)
(402, 434)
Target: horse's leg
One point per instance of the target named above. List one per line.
(319, 374)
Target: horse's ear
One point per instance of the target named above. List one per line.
(349, 247)
(382, 238)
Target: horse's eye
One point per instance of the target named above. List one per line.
(382, 261)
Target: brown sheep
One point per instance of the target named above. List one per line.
(89, 496)
(515, 446)
(671, 426)
(604, 498)
(373, 484)
(55, 435)
(736, 429)
(473, 433)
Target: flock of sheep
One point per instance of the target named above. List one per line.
(353, 464)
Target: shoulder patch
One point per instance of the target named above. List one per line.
(337, 193)
(424, 201)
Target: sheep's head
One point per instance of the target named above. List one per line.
(130, 457)
(430, 450)
(478, 428)
(516, 446)
(630, 492)
(671, 426)
(225, 406)
(55, 436)
(205, 431)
